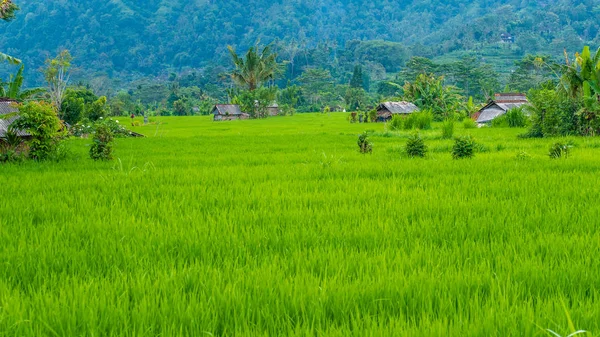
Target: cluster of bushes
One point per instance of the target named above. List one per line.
(420, 120)
(46, 132)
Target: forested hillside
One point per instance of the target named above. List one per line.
(149, 37)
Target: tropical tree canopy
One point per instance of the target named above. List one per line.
(256, 68)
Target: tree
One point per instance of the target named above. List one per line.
(75, 102)
(357, 78)
(428, 92)
(57, 76)
(256, 68)
(7, 10)
(530, 72)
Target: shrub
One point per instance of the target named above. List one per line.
(364, 144)
(560, 150)
(500, 122)
(11, 149)
(102, 146)
(448, 129)
(419, 120)
(516, 118)
(464, 147)
(468, 123)
(415, 147)
(396, 123)
(42, 123)
(372, 115)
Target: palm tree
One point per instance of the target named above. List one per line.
(256, 68)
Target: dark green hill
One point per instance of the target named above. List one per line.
(120, 37)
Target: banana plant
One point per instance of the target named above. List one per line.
(12, 89)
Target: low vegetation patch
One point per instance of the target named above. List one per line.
(464, 147)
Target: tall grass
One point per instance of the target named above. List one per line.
(239, 229)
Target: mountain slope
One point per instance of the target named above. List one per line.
(148, 36)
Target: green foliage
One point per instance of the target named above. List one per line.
(372, 114)
(290, 96)
(531, 71)
(415, 146)
(464, 147)
(552, 113)
(102, 146)
(12, 89)
(396, 123)
(41, 122)
(364, 144)
(7, 10)
(420, 120)
(97, 110)
(11, 147)
(257, 67)
(500, 122)
(469, 123)
(516, 118)
(560, 150)
(254, 102)
(428, 92)
(448, 129)
(357, 78)
(74, 104)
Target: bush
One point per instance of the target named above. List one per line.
(102, 146)
(560, 150)
(420, 120)
(42, 123)
(372, 115)
(500, 122)
(364, 144)
(11, 147)
(415, 147)
(468, 123)
(396, 123)
(448, 129)
(464, 147)
(516, 118)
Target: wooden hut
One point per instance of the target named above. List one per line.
(228, 112)
(386, 110)
(499, 106)
(273, 109)
(7, 107)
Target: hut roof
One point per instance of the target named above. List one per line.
(8, 107)
(500, 106)
(227, 109)
(398, 107)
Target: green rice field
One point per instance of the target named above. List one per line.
(280, 227)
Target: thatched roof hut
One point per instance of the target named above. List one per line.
(273, 109)
(7, 107)
(386, 110)
(225, 112)
(501, 104)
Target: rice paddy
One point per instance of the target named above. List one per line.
(280, 227)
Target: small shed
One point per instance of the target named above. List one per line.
(8, 106)
(273, 109)
(386, 110)
(228, 112)
(499, 106)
